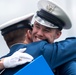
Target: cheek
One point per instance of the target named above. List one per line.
(33, 31)
(47, 36)
(50, 37)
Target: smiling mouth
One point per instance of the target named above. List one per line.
(37, 39)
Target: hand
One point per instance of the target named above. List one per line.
(18, 58)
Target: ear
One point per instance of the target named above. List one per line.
(29, 32)
(58, 34)
(29, 35)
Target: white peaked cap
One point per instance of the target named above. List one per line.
(55, 11)
(16, 20)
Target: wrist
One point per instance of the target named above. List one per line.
(1, 64)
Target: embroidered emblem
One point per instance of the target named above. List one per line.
(50, 7)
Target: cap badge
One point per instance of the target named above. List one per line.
(50, 8)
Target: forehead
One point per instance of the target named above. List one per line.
(42, 26)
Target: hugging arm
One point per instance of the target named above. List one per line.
(68, 68)
(63, 52)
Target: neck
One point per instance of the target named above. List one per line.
(27, 41)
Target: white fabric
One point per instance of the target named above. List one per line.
(18, 58)
(53, 8)
(45, 22)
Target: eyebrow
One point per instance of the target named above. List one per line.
(48, 28)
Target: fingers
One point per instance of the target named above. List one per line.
(26, 56)
(22, 50)
(24, 59)
(23, 62)
(17, 58)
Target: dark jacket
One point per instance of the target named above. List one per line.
(55, 54)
